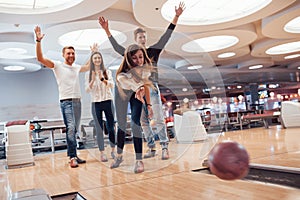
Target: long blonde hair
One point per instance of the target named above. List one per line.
(127, 65)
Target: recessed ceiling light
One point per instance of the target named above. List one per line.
(299, 67)
(83, 39)
(293, 26)
(14, 68)
(185, 100)
(255, 66)
(35, 7)
(226, 55)
(199, 12)
(292, 56)
(194, 67)
(209, 44)
(184, 89)
(284, 48)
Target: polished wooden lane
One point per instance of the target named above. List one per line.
(170, 179)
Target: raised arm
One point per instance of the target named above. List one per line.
(117, 47)
(39, 54)
(158, 46)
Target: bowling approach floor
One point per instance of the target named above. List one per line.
(176, 178)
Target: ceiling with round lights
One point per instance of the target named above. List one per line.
(227, 35)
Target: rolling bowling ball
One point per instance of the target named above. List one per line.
(229, 160)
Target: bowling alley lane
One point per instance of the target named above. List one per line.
(176, 178)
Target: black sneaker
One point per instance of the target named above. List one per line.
(80, 161)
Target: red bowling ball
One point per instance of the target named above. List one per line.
(229, 160)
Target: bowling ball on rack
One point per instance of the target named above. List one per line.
(229, 160)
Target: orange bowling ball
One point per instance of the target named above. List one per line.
(229, 160)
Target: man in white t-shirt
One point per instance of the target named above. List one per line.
(67, 77)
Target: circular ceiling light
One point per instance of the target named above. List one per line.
(82, 39)
(14, 68)
(17, 50)
(226, 55)
(19, 67)
(284, 48)
(293, 26)
(292, 56)
(200, 12)
(36, 7)
(194, 67)
(255, 66)
(209, 44)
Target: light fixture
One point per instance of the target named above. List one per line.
(226, 55)
(293, 26)
(194, 67)
(273, 86)
(255, 67)
(33, 6)
(184, 89)
(14, 68)
(185, 100)
(17, 50)
(214, 11)
(292, 56)
(208, 44)
(82, 39)
(284, 48)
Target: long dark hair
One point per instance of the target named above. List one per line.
(127, 64)
(92, 66)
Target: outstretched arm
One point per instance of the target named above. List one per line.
(104, 24)
(117, 47)
(157, 47)
(39, 54)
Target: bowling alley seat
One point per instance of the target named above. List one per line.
(18, 144)
(290, 114)
(189, 127)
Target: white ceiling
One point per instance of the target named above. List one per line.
(256, 33)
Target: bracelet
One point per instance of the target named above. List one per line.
(38, 40)
(102, 79)
(177, 15)
(149, 104)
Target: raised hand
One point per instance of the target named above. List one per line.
(38, 34)
(103, 22)
(180, 9)
(94, 47)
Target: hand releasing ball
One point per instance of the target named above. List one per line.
(229, 160)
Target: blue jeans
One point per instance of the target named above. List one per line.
(71, 112)
(97, 109)
(121, 104)
(158, 116)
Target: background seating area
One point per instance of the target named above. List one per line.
(290, 114)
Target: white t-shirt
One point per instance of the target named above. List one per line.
(67, 78)
(100, 91)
